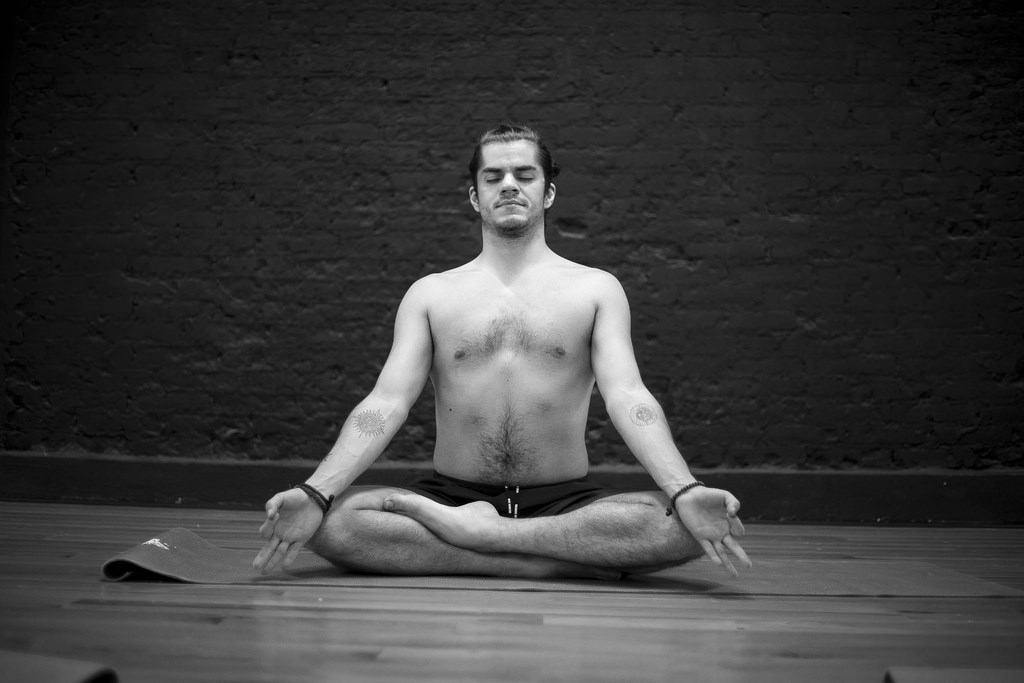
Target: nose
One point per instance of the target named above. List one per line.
(509, 184)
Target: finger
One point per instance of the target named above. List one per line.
(270, 551)
(267, 529)
(736, 526)
(724, 557)
(273, 512)
(276, 558)
(732, 505)
(709, 550)
(261, 559)
(735, 549)
(293, 552)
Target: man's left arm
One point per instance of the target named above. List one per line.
(710, 515)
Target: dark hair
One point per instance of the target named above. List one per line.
(511, 133)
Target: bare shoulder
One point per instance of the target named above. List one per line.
(437, 287)
(423, 291)
(601, 284)
(445, 281)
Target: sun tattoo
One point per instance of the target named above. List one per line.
(370, 423)
(642, 415)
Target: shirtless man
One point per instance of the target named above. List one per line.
(513, 343)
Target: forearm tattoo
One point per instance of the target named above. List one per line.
(643, 414)
(370, 423)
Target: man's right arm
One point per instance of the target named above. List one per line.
(292, 517)
(377, 418)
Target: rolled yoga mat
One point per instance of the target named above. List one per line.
(178, 554)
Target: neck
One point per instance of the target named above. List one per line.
(509, 257)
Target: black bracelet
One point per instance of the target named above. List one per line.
(672, 502)
(322, 501)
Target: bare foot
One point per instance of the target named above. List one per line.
(472, 526)
(477, 526)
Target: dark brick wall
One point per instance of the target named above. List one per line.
(214, 208)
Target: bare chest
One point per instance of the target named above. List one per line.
(479, 329)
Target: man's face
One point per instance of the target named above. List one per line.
(509, 193)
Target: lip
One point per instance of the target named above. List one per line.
(509, 202)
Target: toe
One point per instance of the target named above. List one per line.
(399, 503)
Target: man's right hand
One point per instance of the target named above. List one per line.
(292, 519)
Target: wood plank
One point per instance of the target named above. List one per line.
(52, 602)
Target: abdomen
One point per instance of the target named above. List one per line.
(512, 424)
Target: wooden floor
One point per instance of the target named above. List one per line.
(53, 602)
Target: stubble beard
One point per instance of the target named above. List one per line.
(512, 230)
(513, 227)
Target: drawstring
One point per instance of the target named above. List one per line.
(513, 510)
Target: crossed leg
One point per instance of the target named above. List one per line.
(394, 531)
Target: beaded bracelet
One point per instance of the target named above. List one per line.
(672, 503)
(322, 501)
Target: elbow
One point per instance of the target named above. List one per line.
(394, 408)
(625, 397)
(400, 413)
(641, 407)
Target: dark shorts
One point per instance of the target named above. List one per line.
(512, 501)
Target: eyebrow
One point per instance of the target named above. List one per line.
(517, 169)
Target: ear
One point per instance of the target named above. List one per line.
(549, 196)
(473, 199)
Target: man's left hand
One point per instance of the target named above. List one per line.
(711, 516)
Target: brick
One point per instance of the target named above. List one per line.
(815, 211)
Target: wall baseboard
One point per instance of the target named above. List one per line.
(875, 496)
